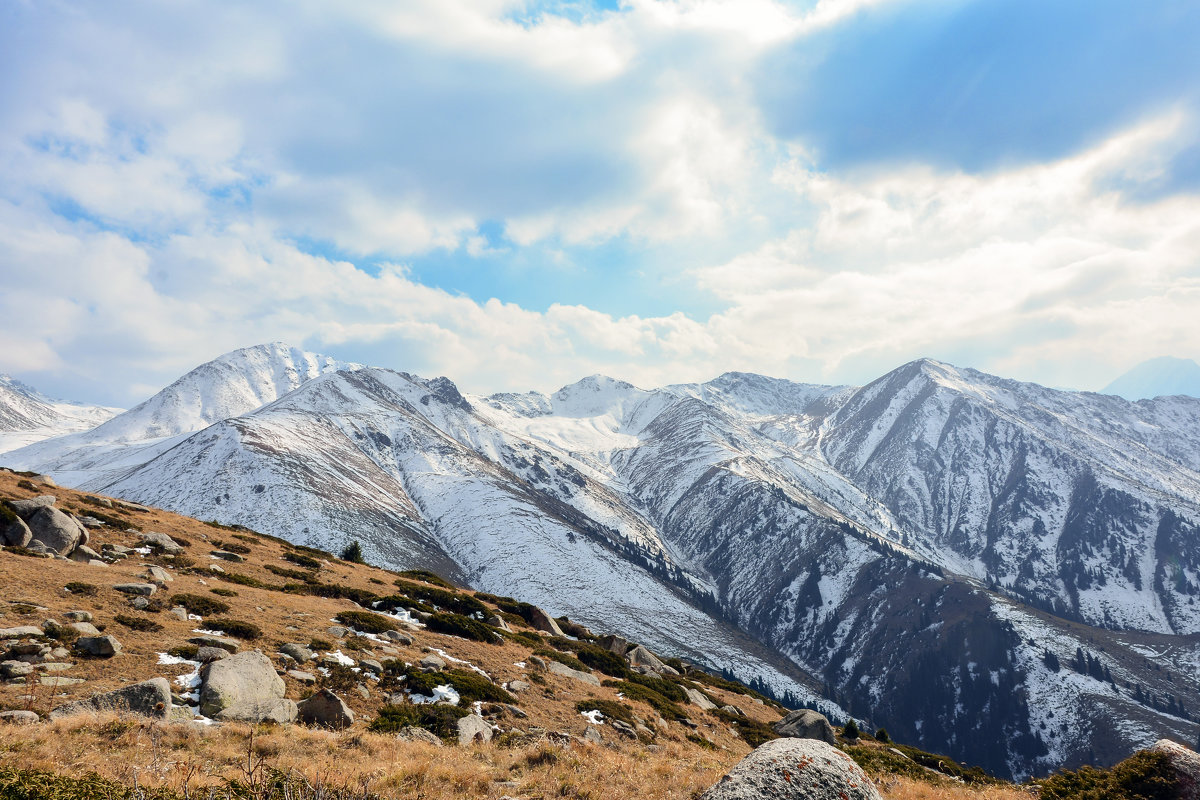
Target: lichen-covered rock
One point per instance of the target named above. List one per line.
(27, 508)
(160, 541)
(13, 530)
(327, 710)
(412, 733)
(806, 724)
(794, 769)
(697, 698)
(18, 717)
(556, 668)
(1186, 764)
(244, 679)
(150, 698)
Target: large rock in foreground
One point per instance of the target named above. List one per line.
(56, 530)
(246, 680)
(794, 769)
(327, 710)
(1186, 764)
(150, 698)
(806, 724)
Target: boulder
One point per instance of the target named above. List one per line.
(1186, 764)
(370, 665)
(225, 555)
(151, 698)
(473, 729)
(301, 676)
(131, 506)
(614, 644)
(179, 612)
(160, 541)
(143, 589)
(325, 709)
(84, 554)
(20, 632)
(567, 672)
(397, 637)
(431, 663)
(57, 531)
(297, 651)
(592, 735)
(208, 654)
(499, 622)
(411, 733)
(244, 679)
(733, 711)
(14, 668)
(641, 657)
(574, 629)
(26, 508)
(157, 575)
(542, 621)
(18, 717)
(516, 687)
(278, 710)
(696, 698)
(78, 616)
(806, 724)
(794, 769)
(100, 501)
(84, 628)
(13, 531)
(98, 646)
(338, 631)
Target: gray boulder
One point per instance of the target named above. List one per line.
(325, 709)
(13, 530)
(1186, 764)
(696, 698)
(157, 575)
(431, 663)
(301, 676)
(225, 555)
(556, 668)
(14, 668)
(806, 724)
(84, 554)
(98, 646)
(27, 508)
(160, 541)
(84, 628)
(473, 729)
(143, 589)
(297, 651)
(412, 733)
(542, 621)
(244, 679)
(151, 698)
(20, 632)
(397, 637)
(614, 644)
(641, 657)
(78, 616)
(18, 717)
(794, 769)
(278, 710)
(208, 654)
(57, 531)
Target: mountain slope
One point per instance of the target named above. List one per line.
(27, 416)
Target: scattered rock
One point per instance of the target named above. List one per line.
(397, 637)
(539, 663)
(179, 612)
(794, 769)
(574, 629)
(151, 698)
(157, 575)
(640, 658)
(806, 724)
(363, 691)
(697, 698)
(623, 728)
(497, 621)
(542, 621)
(297, 651)
(303, 677)
(338, 631)
(516, 687)
(100, 501)
(143, 589)
(209, 640)
(139, 602)
(246, 679)
(98, 646)
(19, 717)
(54, 666)
(161, 541)
(615, 644)
(472, 729)
(431, 663)
(78, 616)
(327, 710)
(58, 681)
(1186, 764)
(370, 665)
(734, 710)
(592, 735)
(413, 734)
(84, 628)
(208, 654)
(131, 506)
(20, 632)
(279, 710)
(225, 555)
(567, 672)
(14, 532)
(14, 669)
(84, 554)
(27, 508)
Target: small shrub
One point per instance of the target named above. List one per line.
(358, 643)
(881, 736)
(290, 574)
(62, 633)
(245, 580)
(302, 560)
(247, 538)
(609, 708)
(426, 576)
(669, 690)
(458, 625)
(318, 589)
(376, 580)
(235, 628)
(320, 644)
(1145, 775)
(472, 686)
(440, 719)
(594, 656)
(188, 651)
(454, 602)
(181, 561)
(542, 757)
(696, 738)
(199, 604)
(224, 592)
(636, 691)
(525, 637)
(850, 731)
(367, 621)
(752, 731)
(340, 679)
(562, 658)
(231, 547)
(138, 623)
(81, 588)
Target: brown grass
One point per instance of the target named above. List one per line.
(901, 788)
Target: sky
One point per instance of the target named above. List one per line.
(518, 194)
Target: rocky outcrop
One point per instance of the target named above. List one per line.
(59, 532)
(150, 698)
(245, 683)
(160, 541)
(13, 530)
(1186, 764)
(794, 769)
(325, 709)
(542, 621)
(697, 698)
(806, 724)
(556, 668)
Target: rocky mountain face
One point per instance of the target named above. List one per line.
(994, 570)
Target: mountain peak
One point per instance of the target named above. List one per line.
(1158, 377)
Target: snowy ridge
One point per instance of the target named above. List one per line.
(27, 416)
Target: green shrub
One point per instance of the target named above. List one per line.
(697, 739)
(525, 637)
(62, 633)
(320, 644)
(340, 679)
(427, 577)
(199, 604)
(636, 691)
(440, 719)
(302, 560)
(562, 658)
(367, 621)
(593, 656)
(752, 731)
(1145, 775)
(353, 553)
(850, 731)
(454, 602)
(947, 766)
(881, 736)
(330, 590)
(609, 708)
(188, 651)
(231, 547)
(509, 604)
(245, 580)
(395, 601)
(81, 588)
(235, 628)
(224, 592)
(138, 623)
(458, 625)
(290, 574)
(668, 689)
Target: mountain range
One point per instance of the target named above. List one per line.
(992, 569)
(27, 416)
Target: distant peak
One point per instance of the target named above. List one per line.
(593, 383)
(1158, 377)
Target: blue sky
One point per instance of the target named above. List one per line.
(517, 194)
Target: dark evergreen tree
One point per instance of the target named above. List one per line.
(353, 553)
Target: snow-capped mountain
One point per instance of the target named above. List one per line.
(1158, 377)
(930, 551)
(28, 416)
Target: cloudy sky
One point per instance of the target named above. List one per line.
(517, 194)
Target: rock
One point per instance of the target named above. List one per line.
(472, 729)
(696, 698)
(53, 666)
(414, 734)
(131, 506)
(20, 632)
(157, 575)
(143, 589)
(516, 687)
(78, 616)
(539, 663)
(243, 679)
(338, 631)
(90, 522)
(139, 602)
(574, 629)
(567, 672)
(100, 501)
(84, 628)
(325, 709)
(640, 656)
(298, 651)
(14, 669)
(27, 508)
(278, 710)
(1186, 764)
(111, 550)
(160, 541)
(497, 621)
(57, 681)
(397, 637)
(303, 677)
(57, 531)
(370, 665)
(60, 653)
(19, 717)
(363, 691)
(151, 698)
(179, 612)
(209, 654)
(806, 724)
(37, 547)
(13, 531)
(209, 640)
(95, 562)
(431, 663)
(794, 769)
(615, 644)
(98, 646)
(542, 621)
(623, 728)
(734, 710)
(592, 735)
(225, 555)
(84, 554)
